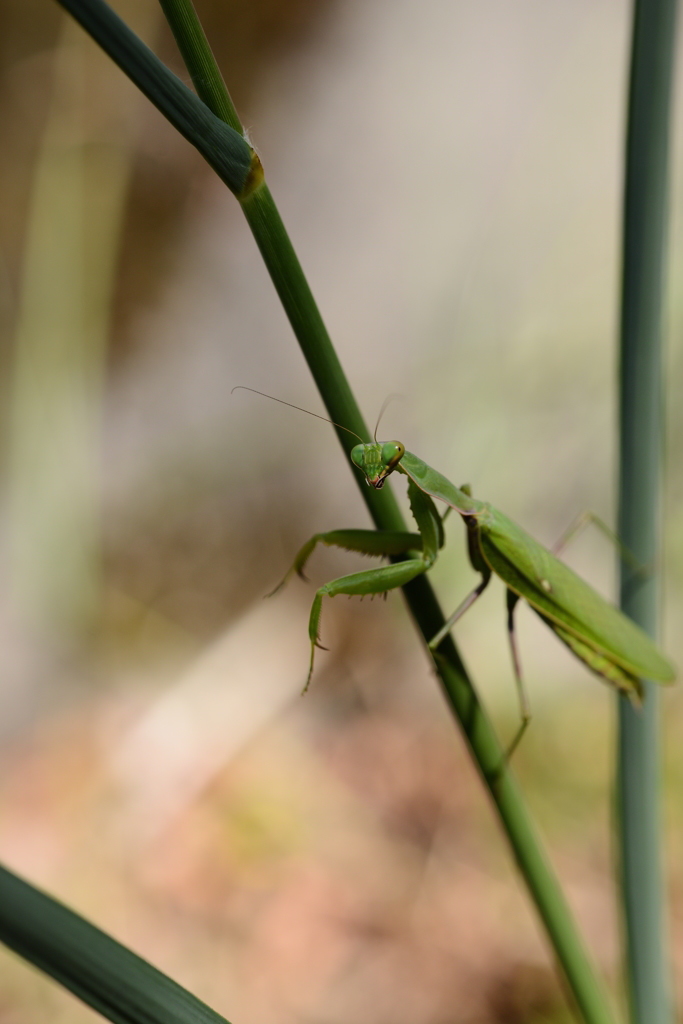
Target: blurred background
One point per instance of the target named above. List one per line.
(452, 184)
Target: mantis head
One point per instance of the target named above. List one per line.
(377, 460)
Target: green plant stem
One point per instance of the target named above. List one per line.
(200, 61)
(222, 147)
(303, 314)
(640, 423)
(96, 968)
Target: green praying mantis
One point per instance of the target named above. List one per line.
(602, 637)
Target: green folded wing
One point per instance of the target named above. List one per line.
(562, 597)
(601, 664)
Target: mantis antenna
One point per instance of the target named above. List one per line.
(385, 403)
(241, 387)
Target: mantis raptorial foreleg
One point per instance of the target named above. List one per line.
(422, 546)
(382, 543)
(372, 581)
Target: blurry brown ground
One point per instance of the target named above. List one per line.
(333, 857)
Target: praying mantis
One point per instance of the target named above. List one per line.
(611, 645)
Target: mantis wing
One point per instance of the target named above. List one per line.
(599, 663)
(597, 632)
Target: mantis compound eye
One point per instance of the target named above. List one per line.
(392, 453)
(358, 456)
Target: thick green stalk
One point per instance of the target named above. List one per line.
(222, 147)
(200, 61)
(100, 971)
(640, 423)
(303, 314)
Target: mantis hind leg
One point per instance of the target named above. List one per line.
(524, 709)
(579, 524)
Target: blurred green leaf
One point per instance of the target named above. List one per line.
(100, 971)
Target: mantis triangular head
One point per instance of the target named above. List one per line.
(377, 460)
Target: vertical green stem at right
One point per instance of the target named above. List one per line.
(640, 423)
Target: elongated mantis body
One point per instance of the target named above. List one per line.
(604, 639)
